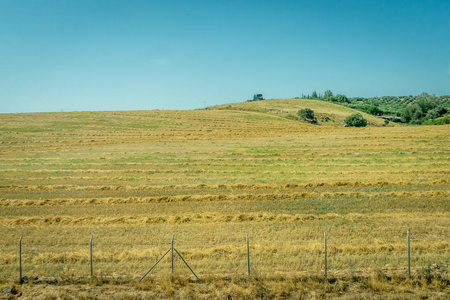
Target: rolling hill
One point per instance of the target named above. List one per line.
(328, 114)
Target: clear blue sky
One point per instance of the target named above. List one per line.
(127, 55)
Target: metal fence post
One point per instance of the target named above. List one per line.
(248, 256)
(325, 239)
(90, 248)
(172, 255)
(20, 260)
(409, 256)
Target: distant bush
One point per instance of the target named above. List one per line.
(439, 121)
(373, 110)
(355, 120)
(306, 114)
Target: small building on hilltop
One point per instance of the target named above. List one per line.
(258, 97)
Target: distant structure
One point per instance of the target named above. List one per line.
(391, 118)
(258, 97)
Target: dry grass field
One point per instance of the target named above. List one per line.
(210, 177)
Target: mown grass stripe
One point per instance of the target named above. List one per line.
(216, 186)
(205, 218)
(220, 197)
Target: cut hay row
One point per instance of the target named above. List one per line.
(207, 218)
(354, 158)
(161, 137)
(395, 164)
(301, 154)
(190, 173)
(307, 169)
(388, 140)
(52, 174)
(221, 197)
(215, 186)
(127, 168)
(208, 129)
(212, 130)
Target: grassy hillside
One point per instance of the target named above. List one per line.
(327, 113)
(211, 177)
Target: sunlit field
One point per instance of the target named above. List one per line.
(210, 178)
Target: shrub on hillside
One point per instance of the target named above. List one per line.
(307, 114)
(439, 121)
(373, 110)
(355, 120)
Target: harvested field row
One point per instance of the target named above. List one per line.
(191, 167)
(400, 135)
(388, 141)
(289, 151)
(122, 237)
(209, 198)
(206, 218)
(27, 146)
(296, 165)
(111, 172)
(237, 152)
(214, 130)
(214, 186)
(189, 173)
(404, 162)
(248, 154)
(192, 125)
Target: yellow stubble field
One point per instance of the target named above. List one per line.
(210, 178)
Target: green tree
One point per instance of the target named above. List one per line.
(341, 98)
(306, 114)
(373, 110)
(412, 114)
(425, 107)
(426, 102)
(314, 95)
(432, 114)
(355, 120)
(327, 94)
(374, 101)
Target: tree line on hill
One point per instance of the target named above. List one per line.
(423, 109)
